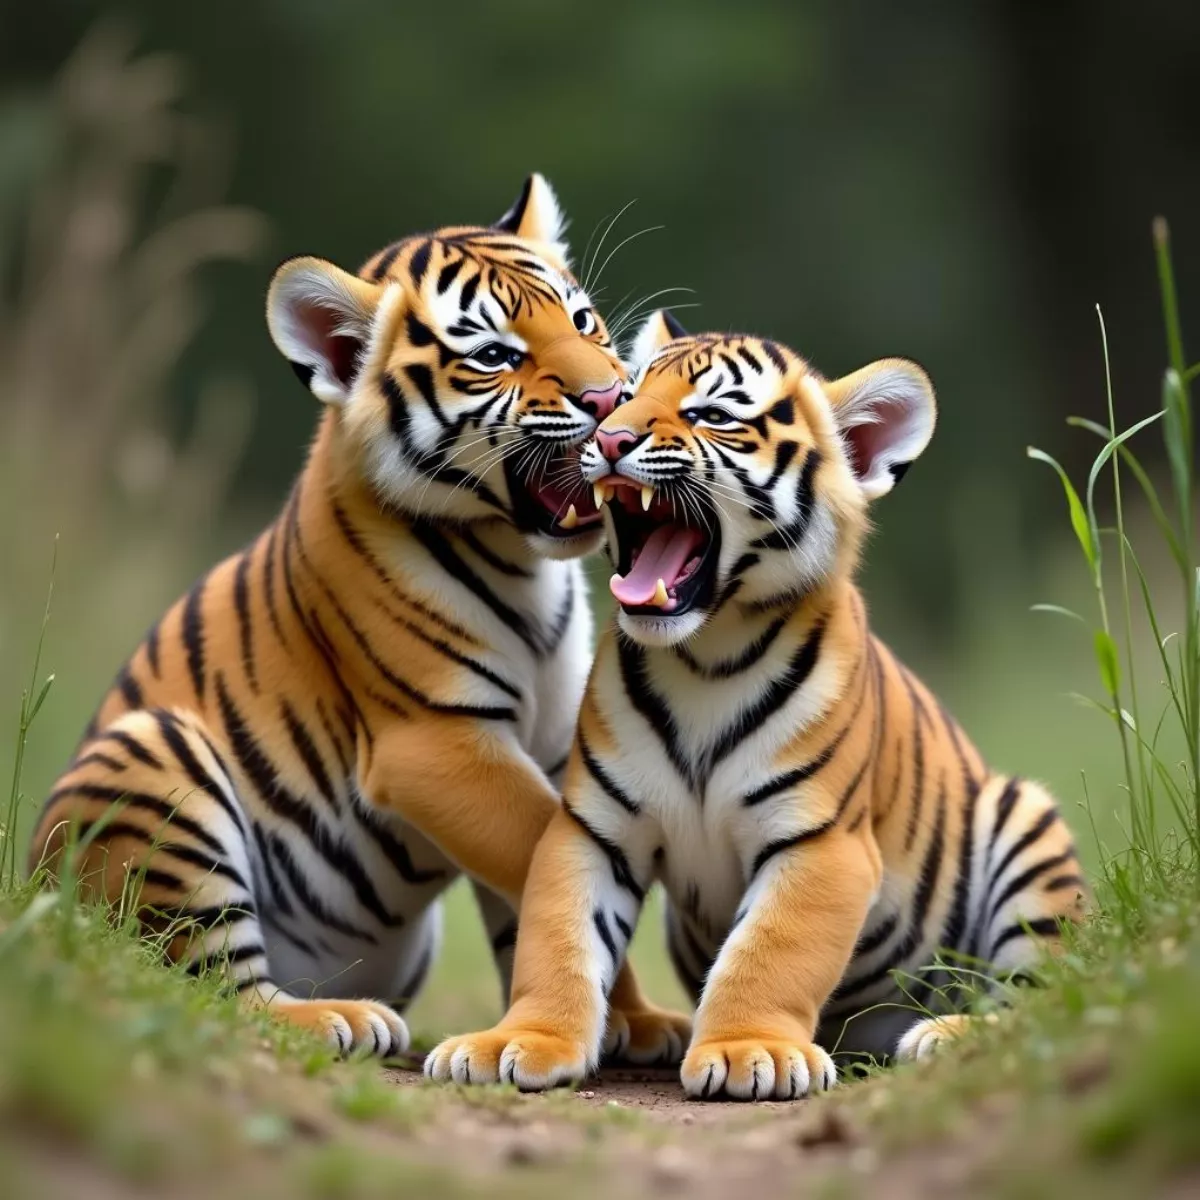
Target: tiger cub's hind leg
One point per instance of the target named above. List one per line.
(150, 815)
(1026, 884)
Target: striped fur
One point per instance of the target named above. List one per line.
(378, 693)
(821, 825)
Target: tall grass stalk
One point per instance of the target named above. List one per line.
(1154, 785)
(32, 699)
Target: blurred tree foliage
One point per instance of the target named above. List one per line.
(958, 183)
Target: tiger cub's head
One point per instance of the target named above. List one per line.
(464, 368)
(737, 476)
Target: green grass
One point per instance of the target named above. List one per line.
(114, 1066)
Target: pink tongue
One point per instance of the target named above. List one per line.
(662, 557)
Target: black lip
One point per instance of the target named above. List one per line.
(696, 592)
(530, 515)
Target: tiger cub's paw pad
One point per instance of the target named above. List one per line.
(648, 1037)
(751, 1069)
(534, 1062)
(929, 1036)
(349, 1025)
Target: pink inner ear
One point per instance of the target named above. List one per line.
(865, 443)
(339, 350)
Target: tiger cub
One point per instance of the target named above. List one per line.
(378, 693)
(821, 826)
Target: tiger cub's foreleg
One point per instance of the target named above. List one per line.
(504, 805)
(581, 905)
(758, 1015)
(1028, 886)
(152, 819)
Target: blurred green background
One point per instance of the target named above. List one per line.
(959, 184)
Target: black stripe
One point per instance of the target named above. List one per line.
(798, 775)
(399, 417)
(1041, 927)
(154, 842)
(651, 705)
(129, 688)
(344, 764)
(956, 922)
(750, 360)
(209, 917)
(622, 873)
(1032, 834)
(223, 959)
(359, 547)
(1004, 809)
(98, 758)
(421, 377)
(479, 711)
(778, 692)
(466, 297)
(492, 559)
(396, 852)
(1059, 882)
(241, 604)
(750, 655)
(444, 554)
(419, 262)
(157, 878)
(772, 351)
(505, 939)
(608, 785)
(384, 265)
(169, 729)
(152, 646)
(168, 813)
(192, 626)
(601, 924)
(791, 535)
(419, 334)
(412, 985)
(868, 942)
(464, 660)
(269, 584)
(780, 845)
(298, 882)
(279, 896)
(264, 775)
(623, 925)
(448, 274)
(306, 748)
(254, 981)
(917, 791)
(1020, 882)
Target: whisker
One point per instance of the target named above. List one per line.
(625, 242)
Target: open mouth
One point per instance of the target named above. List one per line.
(665, 566)
(554, 499)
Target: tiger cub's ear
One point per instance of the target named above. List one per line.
(659, 328)
(885, 413)
(537, 215)
(320, 320)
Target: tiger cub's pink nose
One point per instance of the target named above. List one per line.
(600, 402)
(614, 443)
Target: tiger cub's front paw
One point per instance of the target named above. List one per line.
(532, 1060)
(931, 1035)
(753, 1069)
(647, 1036)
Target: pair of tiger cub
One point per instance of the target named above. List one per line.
(381, 691)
